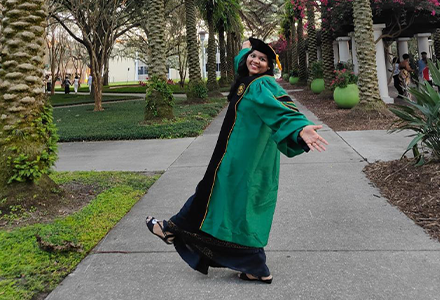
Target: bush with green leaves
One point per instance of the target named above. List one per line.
(294, 73)
(196, 90)
(286, 76)
(317, 71)
(422, 117)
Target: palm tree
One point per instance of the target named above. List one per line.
(159, 99)
(27, 133)
(437, 43)
(294, 42)
(302, 52)
(223, 61)
(195, 78)
(363, 32)
(327, 46)
(311, 36)
(210, 6)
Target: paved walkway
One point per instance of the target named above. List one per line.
(333, 236)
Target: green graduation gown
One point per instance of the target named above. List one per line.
(240, 200)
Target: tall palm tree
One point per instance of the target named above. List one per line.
(327, 45)
(27, 137)
(191, 41)
(159, 102)
(437, 43)
(223, 61)
(294, 42)
(311, 36)
(366, 49)
(302, 52)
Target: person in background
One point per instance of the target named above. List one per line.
(404, 75)
(422, 64)
(89, 82)
(395, 73)
(76, 84)
(67, 84)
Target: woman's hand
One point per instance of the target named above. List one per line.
(312, 139)
(246, 44)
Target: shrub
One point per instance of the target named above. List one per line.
(197, 90)
(294, 73)
(422, 117)
(286, 77)
(343, 78)
(317, 71)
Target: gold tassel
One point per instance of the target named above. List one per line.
(278, 62)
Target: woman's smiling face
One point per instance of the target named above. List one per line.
(257, 63)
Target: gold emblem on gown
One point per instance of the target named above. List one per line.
(240, 89)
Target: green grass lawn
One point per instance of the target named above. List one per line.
(113, 88)
(26, 270)
(123, 121)
(69, 99)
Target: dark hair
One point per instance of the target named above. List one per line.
(396, 60)
(243, 72)
(405, 56)
(424, 53)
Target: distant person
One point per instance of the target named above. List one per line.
(396, 78)
(89, 82)
(405, 75)
(422, 64)
(67, 84)
(76, 84)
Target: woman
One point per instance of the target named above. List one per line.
(76, 84)
(67, 85)
(405, 76)
(396, 72)
(226, 223)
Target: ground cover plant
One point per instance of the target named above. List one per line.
(72, 99)
(43, 241)
(124, 120)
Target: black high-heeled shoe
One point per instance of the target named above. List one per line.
(166, 238)
(243, 276)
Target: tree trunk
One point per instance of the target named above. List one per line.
(106, 70)
(327, 47)
(27, 138)
(437, 43)
(230, 49)
(311, 34)
(294, 64)
(159, 102)
(223, 62)
(288, 61)
(302, 52)
(212, 57)
(191, 42)
(363, 31)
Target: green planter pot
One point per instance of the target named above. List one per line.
(317, 86)
(293, 80)
(347, 97)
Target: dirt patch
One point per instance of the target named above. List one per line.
(324, 107)
(59, 202)
(414, 190)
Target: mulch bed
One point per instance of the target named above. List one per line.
(324, 107)
(414, 190)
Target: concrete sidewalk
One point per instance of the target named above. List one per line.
(333, 236)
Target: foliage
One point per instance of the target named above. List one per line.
(317, 70)
(422, 117)
(343, 78)
(26, 269)
(286, 77)
(159, 99)
(197, 90)
(123, 121)
(293, 73)
(26, 166)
